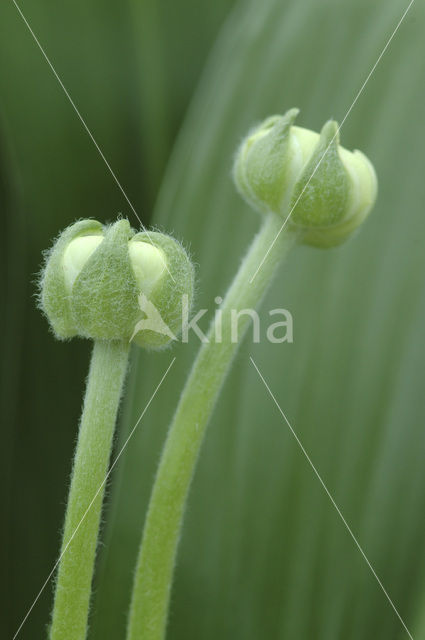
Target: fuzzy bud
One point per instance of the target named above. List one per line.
(110, 283)
(283, 168)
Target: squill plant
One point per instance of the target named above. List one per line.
(308, 190)
(89, 287)
(99, 282)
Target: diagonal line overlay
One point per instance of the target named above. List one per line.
(46, 582)
(333, 138)
(332, 499)
(83, 122)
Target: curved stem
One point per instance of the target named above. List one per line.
(154, 571)
(73, 585)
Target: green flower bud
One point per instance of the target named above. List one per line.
(284, 168)
(110, 283)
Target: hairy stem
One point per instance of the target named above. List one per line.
(73, 586)
(154, 571)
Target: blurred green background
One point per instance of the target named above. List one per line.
(168, 90)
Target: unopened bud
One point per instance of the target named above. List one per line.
(327, 190)
(95, 276)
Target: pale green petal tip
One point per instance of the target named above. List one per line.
(172, 290)
(284, 168)
(54, 297)
(95, 277)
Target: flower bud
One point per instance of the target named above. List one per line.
(285, 169)
(111, 283)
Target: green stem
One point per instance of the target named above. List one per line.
(73, 586)
(154, 571)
